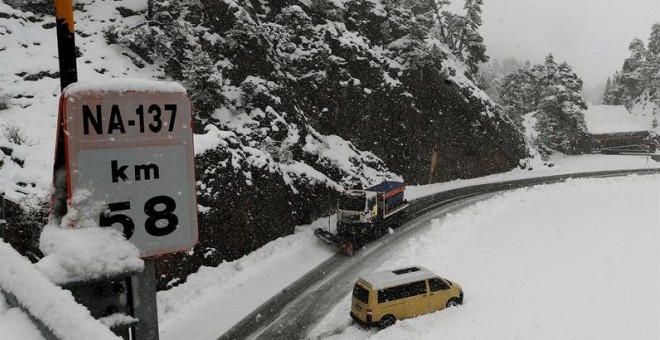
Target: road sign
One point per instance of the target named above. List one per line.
(130, 144)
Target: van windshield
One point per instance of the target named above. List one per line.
(361, 294)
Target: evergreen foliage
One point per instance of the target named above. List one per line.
(461, 34)
(4, 100)
(490, 76)
(552, 91)
(639, 77)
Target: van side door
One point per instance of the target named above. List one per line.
(416, 299)
(438, 294)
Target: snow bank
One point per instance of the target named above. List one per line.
(54, 306)
(232, 290)
(87, 252)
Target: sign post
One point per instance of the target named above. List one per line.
(66, 48)
(128, 144)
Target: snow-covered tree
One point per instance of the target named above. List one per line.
(4, 100)
(461, 34)
(560, 119)
(490, 76)
(553, 91)
(654, 40)
(204, 84)
(639, 77)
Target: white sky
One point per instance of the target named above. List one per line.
(591, 35)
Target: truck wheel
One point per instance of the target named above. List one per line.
(386, 321)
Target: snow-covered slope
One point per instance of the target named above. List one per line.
(249, 156)
(29, 77)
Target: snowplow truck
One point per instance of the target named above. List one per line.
(363, 215)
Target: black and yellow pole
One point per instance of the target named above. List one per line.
(66, 45)
(66, 48)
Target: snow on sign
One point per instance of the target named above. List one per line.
(130, 144)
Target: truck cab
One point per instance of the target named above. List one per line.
(357, 206)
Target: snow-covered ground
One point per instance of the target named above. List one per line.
(507, 253)
(233, 289)
(31, 50)
(576, 260)
(192, 307)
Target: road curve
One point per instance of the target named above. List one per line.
(294, 312)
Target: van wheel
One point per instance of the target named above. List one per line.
(386, 321)
(453, 302)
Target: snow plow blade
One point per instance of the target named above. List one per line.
(345, 246)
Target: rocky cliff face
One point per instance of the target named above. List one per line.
(296, 101)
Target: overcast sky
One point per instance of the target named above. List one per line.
(591, 35)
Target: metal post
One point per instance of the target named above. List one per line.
(66, 45)
(144, 302)
(66, 48)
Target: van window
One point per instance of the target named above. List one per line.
(361, 294)
(402, 291)
(436, 284)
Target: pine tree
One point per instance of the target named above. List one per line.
(204, 84)
(653, 63)
(633, 73)
(640, 73)
(606, 90)
(654, 40)
(461, 34)
(560, 120)
(552, 91)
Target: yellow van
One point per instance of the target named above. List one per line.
(381, 298)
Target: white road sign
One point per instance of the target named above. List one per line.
(130, 144)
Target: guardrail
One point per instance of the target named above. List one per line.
(426, 203)
(51, 309)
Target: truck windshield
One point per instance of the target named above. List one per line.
(351, 203)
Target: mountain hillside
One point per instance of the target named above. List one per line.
(294, 102)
